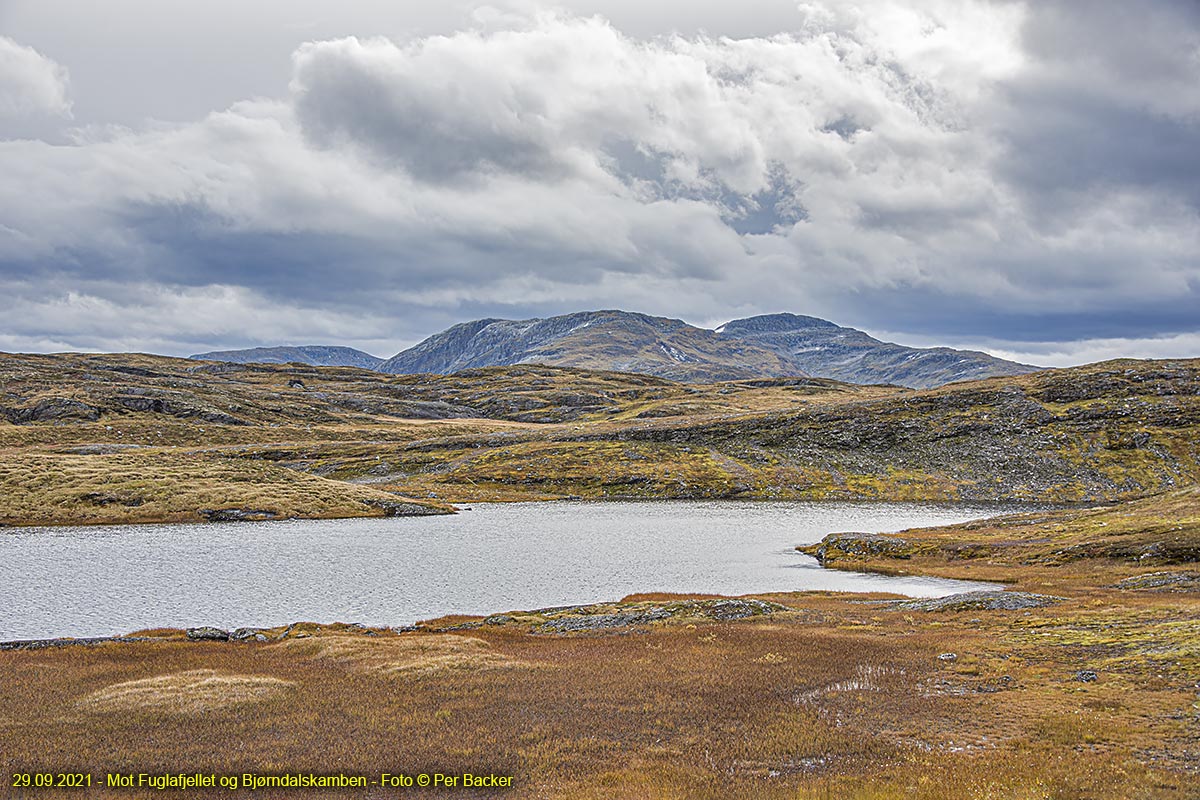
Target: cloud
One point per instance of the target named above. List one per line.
(184, 321)
(31, 85)
(1109, 100)
(1062, 352)
(1087, 351)
(941, 169)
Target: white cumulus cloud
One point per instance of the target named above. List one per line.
(31, 85)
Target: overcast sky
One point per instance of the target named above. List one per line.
(1017, 177)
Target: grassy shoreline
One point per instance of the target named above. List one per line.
(794, 695)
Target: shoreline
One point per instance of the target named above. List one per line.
(1078, 676)
(451, 507)
(376, 536)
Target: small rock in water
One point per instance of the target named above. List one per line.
(1086, 676)
(948, 657)
(236, 514)
(208, 634)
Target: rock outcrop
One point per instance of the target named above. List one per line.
(839, 546)
(997, 600)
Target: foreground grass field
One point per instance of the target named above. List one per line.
(1086, 687)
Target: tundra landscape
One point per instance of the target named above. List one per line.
(596, 399)
(1075, 678)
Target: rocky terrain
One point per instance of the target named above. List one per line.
(110, 438)
(1114, 430)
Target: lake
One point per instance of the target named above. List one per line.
(98, 581)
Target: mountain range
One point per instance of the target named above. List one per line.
(768, 346)
(315, 355)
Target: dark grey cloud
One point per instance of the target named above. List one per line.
(937, 314)
(1065, 143)
(437, 111)
(1109, 102)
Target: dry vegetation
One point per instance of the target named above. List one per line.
(192, 692)
(133, 438)
(130, 438)
(807, 695)
(165, 486)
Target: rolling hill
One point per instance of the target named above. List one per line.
(127, 437)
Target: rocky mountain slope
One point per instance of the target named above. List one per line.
(759, 347)
(608, 340)
(821, 348)
(316, 355)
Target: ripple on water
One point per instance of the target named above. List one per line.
(108, 580)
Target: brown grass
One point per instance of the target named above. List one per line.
(163, 486)
(407, 655)
(832, 697)
(190, 692)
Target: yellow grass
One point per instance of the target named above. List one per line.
(190, 692)
(406, 655)
(133, 438)
(163, 486)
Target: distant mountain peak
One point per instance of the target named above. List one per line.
(826, 350)
(608, 339)
(766, 346)
(775, 322)
(313, 354)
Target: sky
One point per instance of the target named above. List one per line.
(1018, 177)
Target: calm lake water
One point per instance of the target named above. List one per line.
(99, 581)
